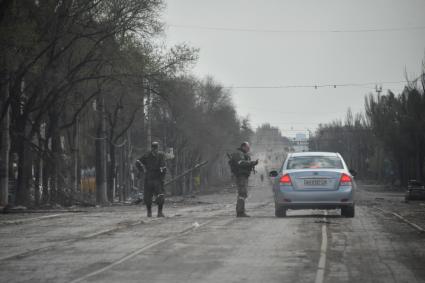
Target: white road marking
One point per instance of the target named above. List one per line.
(320, 275)
(416, 226)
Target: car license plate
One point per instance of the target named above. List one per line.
(315, 182)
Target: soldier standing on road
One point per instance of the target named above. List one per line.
(241, 166)
(153, 163)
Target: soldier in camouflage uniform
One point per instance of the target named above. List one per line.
(153, 163)
(241, 166)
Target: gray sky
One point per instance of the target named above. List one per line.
(304, 52)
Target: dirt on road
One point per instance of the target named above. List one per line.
(201, 240)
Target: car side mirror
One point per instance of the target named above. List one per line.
(353, 172)
(273, 173)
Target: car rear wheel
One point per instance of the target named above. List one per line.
(279, 210)
(348, 211)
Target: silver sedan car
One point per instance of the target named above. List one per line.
(314, 180)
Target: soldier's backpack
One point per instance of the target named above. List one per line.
(234, 168)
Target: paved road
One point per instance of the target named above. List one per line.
(203, 242)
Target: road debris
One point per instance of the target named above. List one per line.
(195, 225)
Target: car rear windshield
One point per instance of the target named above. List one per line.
(314, 162)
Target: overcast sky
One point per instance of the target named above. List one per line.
(270, 43)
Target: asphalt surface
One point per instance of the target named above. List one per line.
(201, 240)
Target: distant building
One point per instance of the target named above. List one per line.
(300, 143)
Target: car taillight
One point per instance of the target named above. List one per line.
(285, 180)
(345, 180)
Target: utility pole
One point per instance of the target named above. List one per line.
(101, 170)
(148, 116)
(378, 89)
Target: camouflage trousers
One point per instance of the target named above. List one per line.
(154, 187)
(242, 185)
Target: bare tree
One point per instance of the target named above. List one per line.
(4, 148)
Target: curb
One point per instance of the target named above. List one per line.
(417, 227)
(25, 220)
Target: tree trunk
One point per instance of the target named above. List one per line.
(76, 172)
(101, 170)
(55, 189)
(126, 164)
(421, 163)
(183, 168)
(174, 189)
(4, 149)
(380, 164)
(111, 175)
(145, 115)
(149, 121)
(121, 174)
(45, 175)
(418, 165)
(38, 179)
(22, 184)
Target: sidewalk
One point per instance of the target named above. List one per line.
(21, 216)
(392, 200)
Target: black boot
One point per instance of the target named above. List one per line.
(160, 214)
(149, 210)
(242, 214)
(240, 208)
(160, 202)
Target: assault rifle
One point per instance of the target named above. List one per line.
(234, 166)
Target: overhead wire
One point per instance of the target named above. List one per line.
(328, 85)
(315, 86)
(365, 85)
(365, 30)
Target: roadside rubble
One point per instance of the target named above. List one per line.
(22, 214)
(392, 200)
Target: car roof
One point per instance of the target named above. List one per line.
(313, 153)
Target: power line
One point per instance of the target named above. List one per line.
(367, 30)
(315, 86)
(284, 112)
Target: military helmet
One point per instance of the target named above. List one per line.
(245, 143)
(155, 145)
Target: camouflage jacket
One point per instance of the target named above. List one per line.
(243, 163)
(154, 165)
